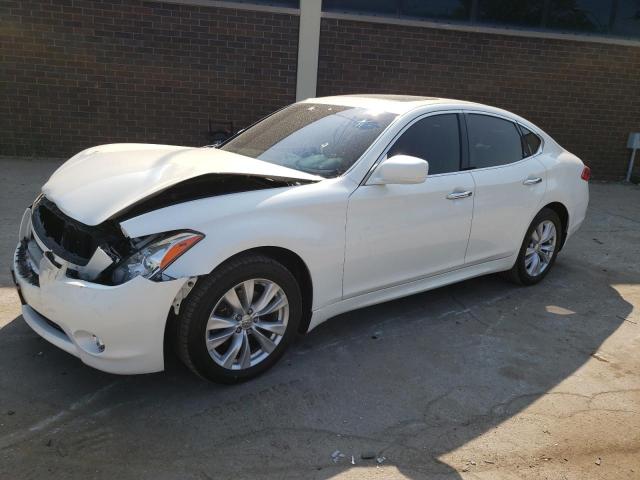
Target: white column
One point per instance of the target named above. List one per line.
(308, 46)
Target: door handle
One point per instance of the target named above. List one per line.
(532, 181)
(458, 195)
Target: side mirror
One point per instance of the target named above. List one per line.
(399, 170)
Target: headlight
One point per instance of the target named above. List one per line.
(154, 256)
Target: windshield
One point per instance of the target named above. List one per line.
(320, 139)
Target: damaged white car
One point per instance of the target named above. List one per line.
(325, 206)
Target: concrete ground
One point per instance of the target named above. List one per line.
(481, 380)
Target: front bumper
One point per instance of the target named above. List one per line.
(129, 319)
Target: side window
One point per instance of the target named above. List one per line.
(531, 141)
(435, 139)
(492, 141)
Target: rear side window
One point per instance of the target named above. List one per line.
(492, 141)
(435, 139)
(531, 141)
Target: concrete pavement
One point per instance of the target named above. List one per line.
(480, 380)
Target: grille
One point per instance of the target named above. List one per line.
(69, 239)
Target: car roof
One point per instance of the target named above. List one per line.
(398, 104)
(401, 104)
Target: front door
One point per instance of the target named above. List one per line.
(399, 233)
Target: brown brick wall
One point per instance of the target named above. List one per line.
(585, 95)
(80, 73)
(85, 72)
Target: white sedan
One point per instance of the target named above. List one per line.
(325, 206)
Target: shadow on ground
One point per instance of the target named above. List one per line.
(410, 380)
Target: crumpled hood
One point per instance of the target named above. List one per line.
(101, 181)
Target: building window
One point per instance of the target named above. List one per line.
(508, 12)
(371, 7)
(626, 18)
(580, 15)
(602, 17)
(272, 3)
(437, 9)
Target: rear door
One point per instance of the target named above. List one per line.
(510, 184)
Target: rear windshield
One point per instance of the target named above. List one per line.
(320, 139)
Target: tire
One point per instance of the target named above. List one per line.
(522, 271)
(198, 337)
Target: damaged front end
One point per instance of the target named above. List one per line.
(99, 254)
(103, 253)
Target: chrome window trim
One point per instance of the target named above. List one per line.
(515, 122)
(406, 126)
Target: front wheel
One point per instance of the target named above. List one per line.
(539, 249)
(238, 321)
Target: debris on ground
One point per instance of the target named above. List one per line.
(598, 461)
(598, 356)
(380, 460)
(11, 412)
(336, 456)
(599, 242)
(353, 460)
(489, 462)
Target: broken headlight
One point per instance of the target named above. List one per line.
(154, 256)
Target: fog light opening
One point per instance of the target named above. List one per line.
(99, 343)
(89, 342)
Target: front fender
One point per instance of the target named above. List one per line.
(308, 220)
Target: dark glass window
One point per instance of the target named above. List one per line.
(520, 13)
(627, 18)
(315, 138)
(492, 141)
(531, 141)
(273, 3)
(437, 9)
(608, 17)
(435, 139)
(580, 15)
(371, 7)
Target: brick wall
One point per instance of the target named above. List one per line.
(585, 95)
(76, 73)
(80, 73)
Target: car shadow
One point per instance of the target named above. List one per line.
(409, 381)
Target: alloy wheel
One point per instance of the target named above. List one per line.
(247, 324)
(542, 245)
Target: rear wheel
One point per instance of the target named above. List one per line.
(539, 249)
(238, 321)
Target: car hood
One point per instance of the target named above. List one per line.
(99, 182)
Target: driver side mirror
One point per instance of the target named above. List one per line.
(400, 170)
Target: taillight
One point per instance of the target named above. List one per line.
(586, 174)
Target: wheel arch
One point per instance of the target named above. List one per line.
(299, 269)
(290, 260)
(563, 213)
